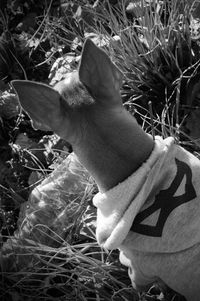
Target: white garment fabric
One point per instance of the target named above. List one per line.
(153, 217)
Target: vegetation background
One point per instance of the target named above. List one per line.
(48, 247)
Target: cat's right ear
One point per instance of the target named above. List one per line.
(40, 102)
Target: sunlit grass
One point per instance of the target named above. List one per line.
(159, 57)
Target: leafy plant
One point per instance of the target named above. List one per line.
(156, 45)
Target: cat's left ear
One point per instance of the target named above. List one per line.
(98, 73)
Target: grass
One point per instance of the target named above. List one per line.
(59, 259)
(54, 253)
(156, 51)
(44, 265)
(78, 272)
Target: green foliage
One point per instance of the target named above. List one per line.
(156, 45)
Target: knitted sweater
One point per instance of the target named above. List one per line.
(153, 217)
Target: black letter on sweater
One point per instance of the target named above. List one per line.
(166, 202)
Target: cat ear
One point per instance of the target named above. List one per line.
(98, 74)
(41, 102)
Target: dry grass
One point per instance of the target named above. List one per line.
(157, 54)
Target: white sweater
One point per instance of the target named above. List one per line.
(153, 217)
